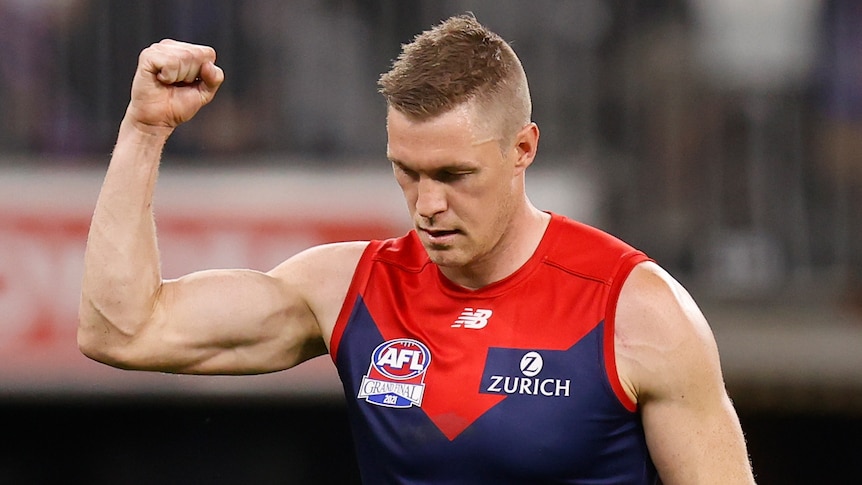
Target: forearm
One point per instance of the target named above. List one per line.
(121, 263)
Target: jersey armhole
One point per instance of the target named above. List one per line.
(360, 275)
(625, 266)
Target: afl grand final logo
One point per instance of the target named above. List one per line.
(396, 376)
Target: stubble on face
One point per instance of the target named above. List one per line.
(481, 233)
(469, 232)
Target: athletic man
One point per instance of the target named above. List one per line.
(494, 343)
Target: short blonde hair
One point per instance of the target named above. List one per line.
(456, 62)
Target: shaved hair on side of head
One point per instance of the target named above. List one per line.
(458, 62)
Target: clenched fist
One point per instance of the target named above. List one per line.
(172, 82)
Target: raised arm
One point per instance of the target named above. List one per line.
(668, 362)
(219, 321)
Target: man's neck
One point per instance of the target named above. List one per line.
(515, 248)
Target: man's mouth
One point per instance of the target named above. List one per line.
(436, 234)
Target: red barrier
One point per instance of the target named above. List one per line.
(42, 239)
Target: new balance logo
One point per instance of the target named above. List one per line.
(474, 319)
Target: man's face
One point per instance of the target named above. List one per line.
(459, 187)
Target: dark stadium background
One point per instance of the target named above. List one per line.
(723, 138)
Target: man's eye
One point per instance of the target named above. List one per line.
(406, 172)
(451, 176)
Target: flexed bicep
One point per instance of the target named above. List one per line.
(235, 321)
(231, 322)
(216, 322)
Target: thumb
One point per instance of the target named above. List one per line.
(211, 78)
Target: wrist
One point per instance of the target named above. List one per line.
(142, 132)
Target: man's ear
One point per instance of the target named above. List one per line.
(526, 145)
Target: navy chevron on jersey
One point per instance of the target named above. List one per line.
(515, 382)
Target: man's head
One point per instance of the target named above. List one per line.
(460, 139)
(460, 61)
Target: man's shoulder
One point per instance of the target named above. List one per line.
(581, 234)
(655, 311)
(321, 265)
(587, 249)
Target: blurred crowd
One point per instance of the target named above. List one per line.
(728, 135)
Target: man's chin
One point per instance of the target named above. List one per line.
(444, 256)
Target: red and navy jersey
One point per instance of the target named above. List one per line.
(512, 383)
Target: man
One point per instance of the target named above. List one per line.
(494, 343)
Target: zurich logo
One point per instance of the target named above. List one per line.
(531, 364)
(513, 372)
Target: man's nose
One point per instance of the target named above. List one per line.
(431, 198)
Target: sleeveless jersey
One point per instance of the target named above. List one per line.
(512, 383)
